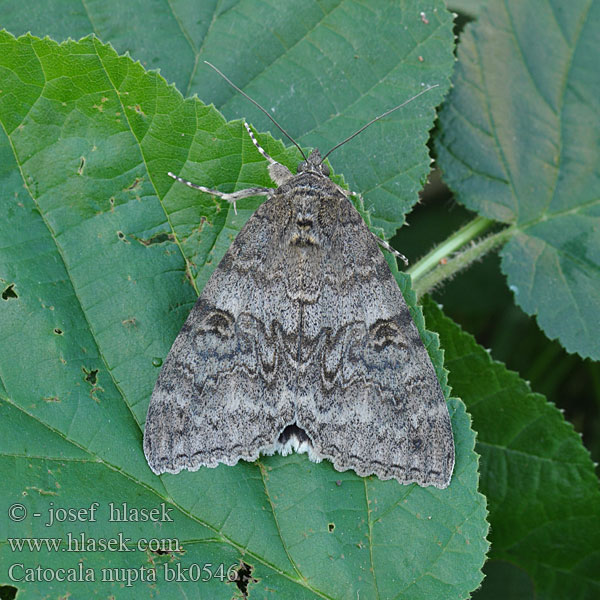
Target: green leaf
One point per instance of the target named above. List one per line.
(104, 255)
(519, 144)
(322, 69)
(544, 498)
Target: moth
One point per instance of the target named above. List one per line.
(301, 340)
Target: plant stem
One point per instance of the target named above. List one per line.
(439, 264)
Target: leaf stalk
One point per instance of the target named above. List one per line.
(456, 253)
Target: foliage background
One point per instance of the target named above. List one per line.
(478, 299)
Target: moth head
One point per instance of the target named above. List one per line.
(313, 164)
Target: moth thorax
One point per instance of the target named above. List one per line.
(303, 227)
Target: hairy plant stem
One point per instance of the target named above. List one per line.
(455, 253)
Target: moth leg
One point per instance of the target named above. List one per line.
(278, 172)
(380, 241)
(385, 245)
(233, 197)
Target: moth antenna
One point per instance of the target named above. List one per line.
(385, 114)
(235, 87)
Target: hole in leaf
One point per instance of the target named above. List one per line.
(81, 165)
(157, 238)
(9, 292)
(58, 331)
(331, 527)
(8, 592)
(135, 184)
(242, 577)
(91, 376)
(122, 237)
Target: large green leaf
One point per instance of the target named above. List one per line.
(543, 494)
(102, 259)
(519, 143)
(323, 69)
